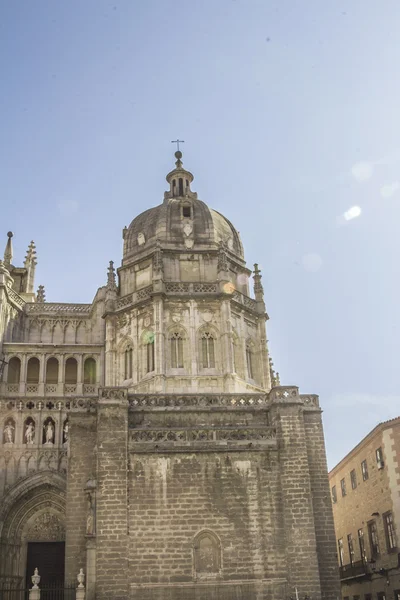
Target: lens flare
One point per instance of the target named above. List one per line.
(242, 279)
(352, 213)
(229, 288)
(148, 337)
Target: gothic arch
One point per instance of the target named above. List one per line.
(208, 351)
(33, 510)
(176, 345)
(207, 555)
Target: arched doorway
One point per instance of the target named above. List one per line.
(33, 529)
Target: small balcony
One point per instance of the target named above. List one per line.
(354, 570)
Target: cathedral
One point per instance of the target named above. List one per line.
(145, 437)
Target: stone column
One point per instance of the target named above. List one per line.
(298, 514)
(81, 467)
(112, 495)
(322, 504)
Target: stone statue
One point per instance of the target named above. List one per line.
(29, 433)
(49, 433)
(66, 432)
(9, 433)
(90, 520)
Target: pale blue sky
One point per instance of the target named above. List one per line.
(289, 111)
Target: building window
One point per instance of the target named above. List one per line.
(379, 458)
(89, 371)
(341, 552)
(33, 370)
(361, 543)
(334, 494)
(71, 371)
(364, 470)
(343, 486)
(367, 596)
(381, 596)
(249, 361)
(186, 211)
(357, 597)
(128, 363)
(208, 351)
(353, 479)
(176, 342)
(52, 370)
(150, 356)
(389, 532)
(180, 183)
(351, 547)
(373, 539)
(396, 594)
(14, 370)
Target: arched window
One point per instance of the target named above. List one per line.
(150, 356)
(89, 371)
(14, 370)
(174, 187)
(180, 186)
(207, 351)
(176, 344)
(128, 363)
(52, 370)
(32, 375)
(71, 371)
(249, 361)
(207, 555)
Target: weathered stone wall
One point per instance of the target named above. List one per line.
(174, 497)
(112, 500)
(297, 506)
(322, 506)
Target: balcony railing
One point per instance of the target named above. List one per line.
(355, 569)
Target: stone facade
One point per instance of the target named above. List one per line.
(149, 430)
(365, 490)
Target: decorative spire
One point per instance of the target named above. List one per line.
(8, 252)
(258, 287)
(41, 294)
(30, 265)
(111, 284)
(275, 379)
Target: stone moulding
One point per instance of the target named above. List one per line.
(222, 434)
(245, 301)
(15, 298)
(57, 308)
(87, 404)
(196, 401)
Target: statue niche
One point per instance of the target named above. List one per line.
(48, 436)
(29, 431)
(9, 431)
(207, 555)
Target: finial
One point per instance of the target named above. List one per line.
(41, 294)
(30, 258)
(8, 252)
(274, 376)
(111, 284)
(258, 287)
(178, 153)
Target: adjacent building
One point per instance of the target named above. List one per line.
(365, 491)
(145, 436)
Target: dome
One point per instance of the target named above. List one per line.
(181, 221)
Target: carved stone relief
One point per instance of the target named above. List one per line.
(47, 527)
